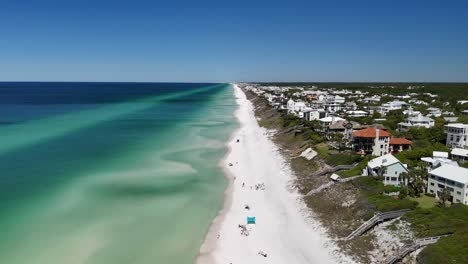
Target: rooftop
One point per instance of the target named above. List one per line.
(331, 119)
(385, 160)
(460, 152)
(400, 141)
(457, 125)
(420, 118)
(370, 132)
(453, 173)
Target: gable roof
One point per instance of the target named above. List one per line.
(400, 141)
(370, 132)
(385, 160)
(450, 172)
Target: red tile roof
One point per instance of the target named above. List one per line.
(370, 132)
(400, 141)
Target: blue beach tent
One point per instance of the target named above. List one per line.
(250, 220)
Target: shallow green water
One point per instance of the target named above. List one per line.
(133, 181)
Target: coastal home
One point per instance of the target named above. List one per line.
(371, 141)
(387, 166)
(457, 135)
(438, 159)
(393, 105)
(343, 127)
(451, 119)
(357, 113)
(333, 103)
(452, 177)
(459, 154)
(399, 145)
(350, 106)
(434, 111)
(416, 121)
(296, 108)
(372, 99)
(327, 121)
(315, 114)
(410, 112)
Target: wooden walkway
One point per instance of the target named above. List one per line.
(377, 218)
(334, 169)
(329, 184)
(418, 243)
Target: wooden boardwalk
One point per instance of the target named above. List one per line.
(418, 243)
(377, 218)
(331, 183)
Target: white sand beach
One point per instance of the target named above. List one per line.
(261, 179)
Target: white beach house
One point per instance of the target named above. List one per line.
(457, 135)
(416, 121)
(434, 111)
(460, 154)
(451, 177)
(357, 113)
(389, 167)
(393, 105)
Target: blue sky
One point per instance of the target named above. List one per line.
(234, 40)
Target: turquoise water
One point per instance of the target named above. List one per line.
(127, 173)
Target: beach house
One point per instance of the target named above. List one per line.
(416, 121)
(372, 141)
(357, 113)
(460, 155)
(434, 111)
(393, 105)
(438, 159)
(387, 166)
(399, 144)
(314, 114)
(452, 177)
(457, 135)
(333, 103)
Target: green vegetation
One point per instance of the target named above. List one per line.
(425, 201)
(357, 169)
(322, 150)
(334, 159)
(413, 157)
(373, 189)
(343, 159)
(439, 221)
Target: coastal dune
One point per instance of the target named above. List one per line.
(260, 187)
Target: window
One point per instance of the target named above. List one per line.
(458, 200)
(396, 172)
(432, 184)
(441, 185)
(459, 193)
(432, 191)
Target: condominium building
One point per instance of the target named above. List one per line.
(452, 177)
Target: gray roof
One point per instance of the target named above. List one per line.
(453, 173)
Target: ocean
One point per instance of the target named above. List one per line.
(110, 172)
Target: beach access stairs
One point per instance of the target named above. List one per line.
(331, 183)
(334, 169)
(418, 243)
(376, 219)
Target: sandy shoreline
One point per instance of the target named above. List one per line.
(283, 231)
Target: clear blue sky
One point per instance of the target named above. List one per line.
(238, 40)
